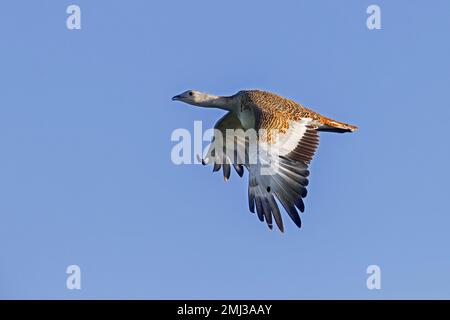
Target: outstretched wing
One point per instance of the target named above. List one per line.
(281, 173)
(222, 152)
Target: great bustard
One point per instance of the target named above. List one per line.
(288, 142)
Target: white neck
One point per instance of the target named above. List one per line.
(211, 101)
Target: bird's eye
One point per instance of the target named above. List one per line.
(190, 93)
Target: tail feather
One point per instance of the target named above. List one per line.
(330, 125)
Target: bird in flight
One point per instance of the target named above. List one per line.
(274, 138)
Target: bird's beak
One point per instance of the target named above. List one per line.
(175, 98)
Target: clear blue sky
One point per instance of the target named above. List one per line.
(86, 176)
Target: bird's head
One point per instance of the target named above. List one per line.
(194, 97)
(205, 100)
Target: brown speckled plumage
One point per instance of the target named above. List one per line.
(275, 112)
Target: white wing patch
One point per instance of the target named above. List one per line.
(281, 173)
(288, 141)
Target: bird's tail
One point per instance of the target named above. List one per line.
(330, 125)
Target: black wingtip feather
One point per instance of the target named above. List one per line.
(239, 169)
(259, 209)
(292, 212)
(226, 171)
(216, 167)
(300, 204)
(304, 193)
